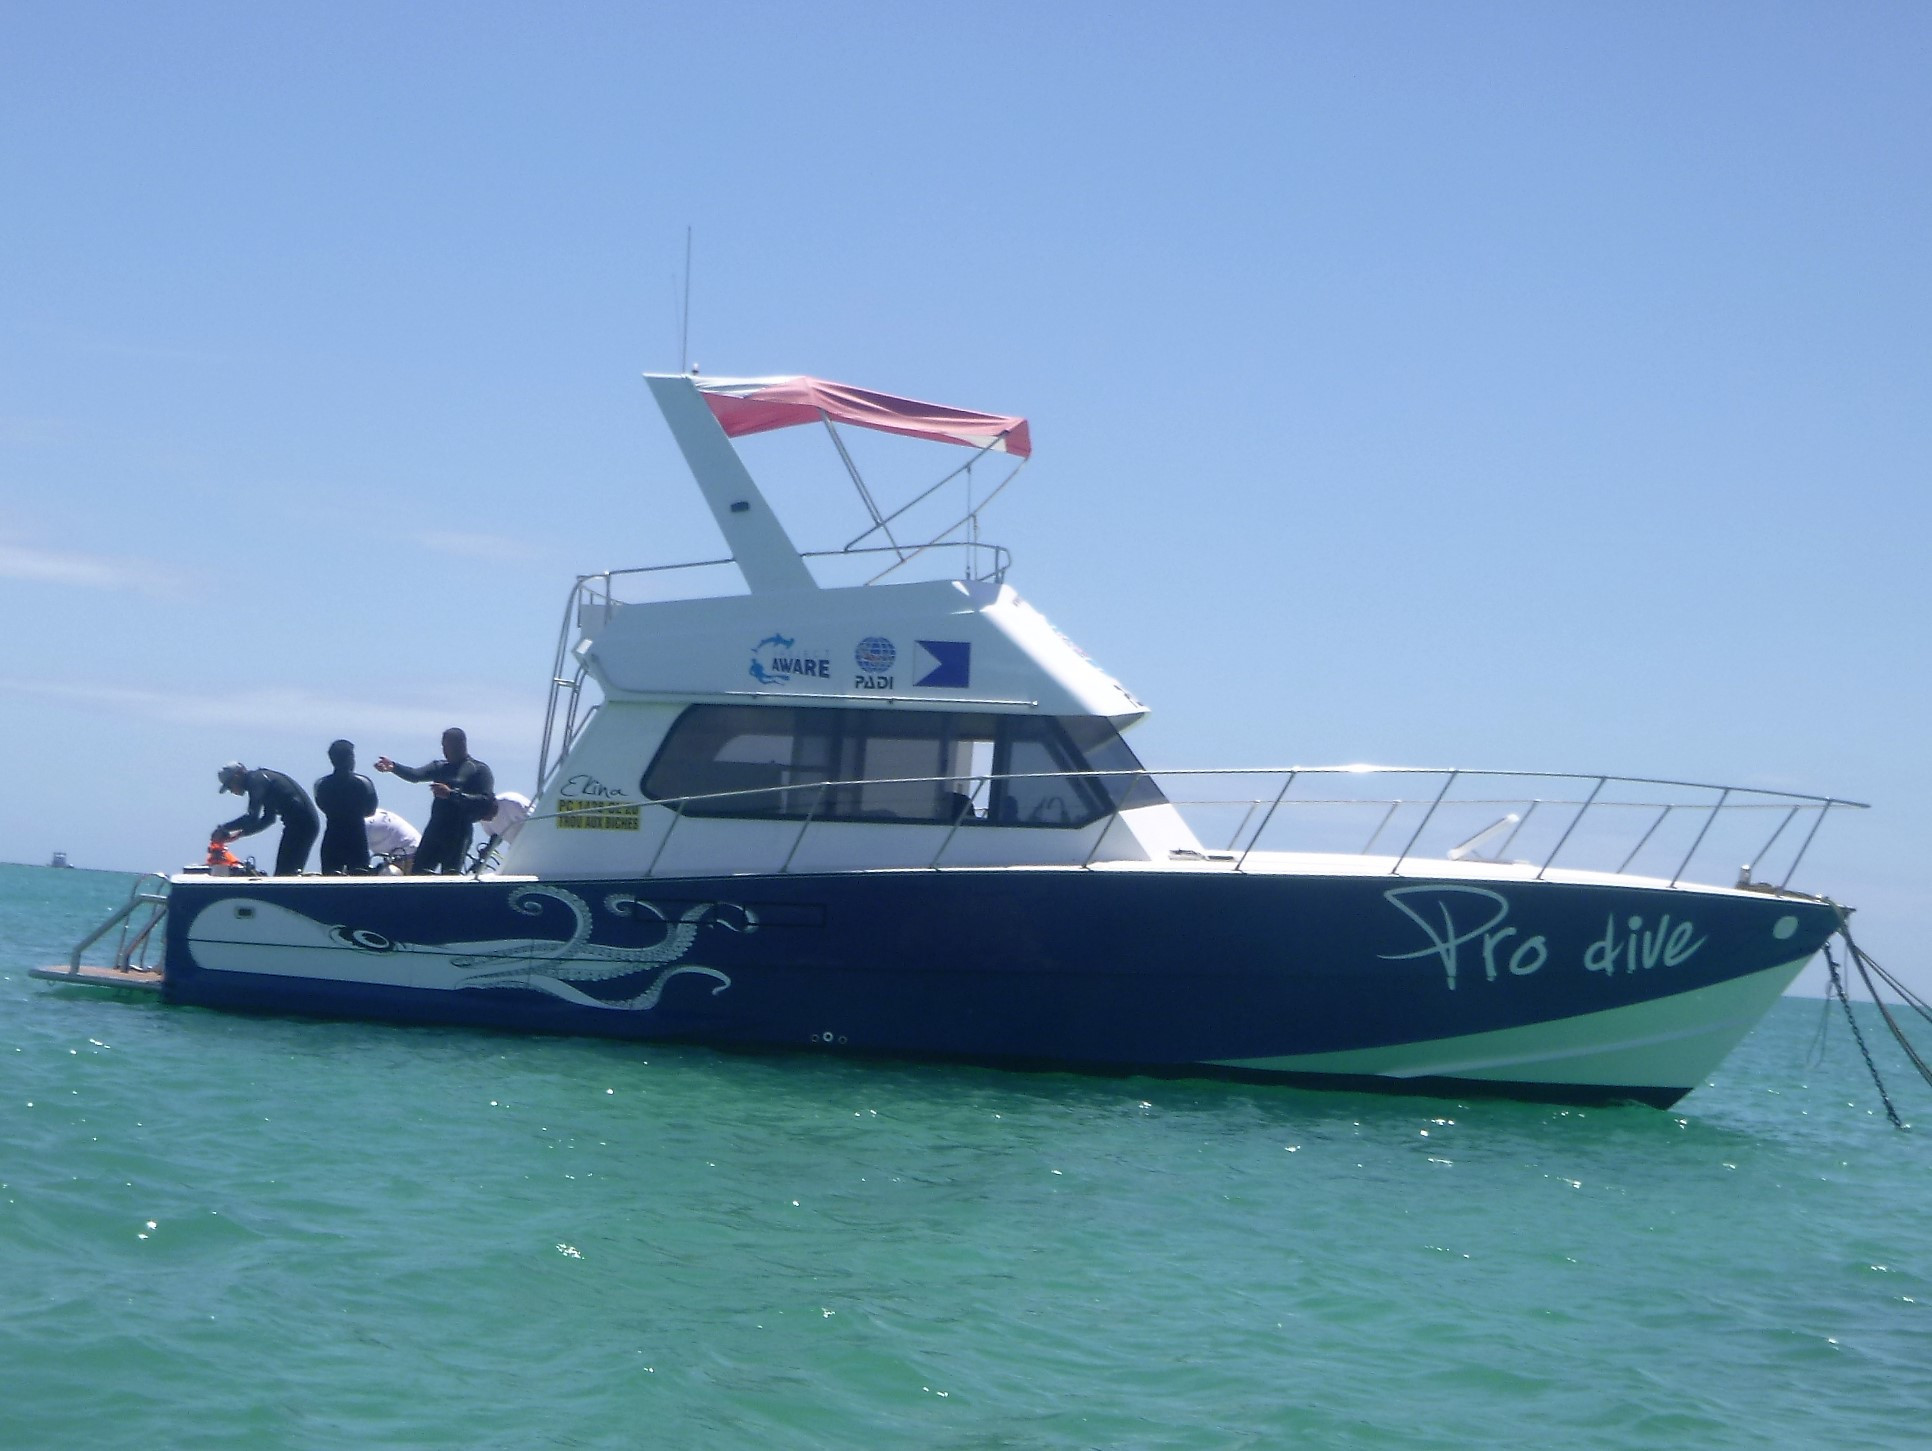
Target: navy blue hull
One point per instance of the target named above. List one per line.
(1158, 971)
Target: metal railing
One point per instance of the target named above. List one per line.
(980, 560)
(1657, 829)
(595, 595)
(131, 949)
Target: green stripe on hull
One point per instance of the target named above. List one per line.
(1667, 1043)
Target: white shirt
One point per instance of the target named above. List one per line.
(511, 808)
(390, 835)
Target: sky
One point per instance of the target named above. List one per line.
(1535, 387)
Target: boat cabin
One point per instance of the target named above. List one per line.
(802, 728)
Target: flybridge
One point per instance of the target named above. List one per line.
(705, 414)
(929, 645)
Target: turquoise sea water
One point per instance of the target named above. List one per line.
(229, 1232)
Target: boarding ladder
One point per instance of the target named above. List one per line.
(137, 963)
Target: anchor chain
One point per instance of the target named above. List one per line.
(1868, 969)
(1871, 1067)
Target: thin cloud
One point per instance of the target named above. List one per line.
(88, 571)
(491, 548)
(286, 709)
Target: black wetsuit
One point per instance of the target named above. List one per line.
(472, 798)
(346, 800)
(272, 795)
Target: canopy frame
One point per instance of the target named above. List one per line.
(744, 406)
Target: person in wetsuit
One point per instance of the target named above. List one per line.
(465, 793)
(271, 795)
(346, 800)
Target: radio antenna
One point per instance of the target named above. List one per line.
(684, 326)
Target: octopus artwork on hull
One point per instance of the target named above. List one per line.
(236, 934)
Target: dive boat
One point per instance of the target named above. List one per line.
(900, 817)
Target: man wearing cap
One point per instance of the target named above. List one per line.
(346, 800)
(465, 792)
(271, 795)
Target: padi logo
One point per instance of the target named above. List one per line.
(874, 657)
(775, 660)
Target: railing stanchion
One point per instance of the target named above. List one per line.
(1380, 827)
(1106, 823)
(1684, 865)
(803, 826)
(958, 817)
(1550, 860)
(1823, 811)
(1644, 840)
(1764, 851)
(1266, 819)
(1427, 818)
(677, 815)
(1242, 825)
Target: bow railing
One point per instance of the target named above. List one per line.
(1414, 819)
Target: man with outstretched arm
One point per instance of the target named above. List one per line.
(465, 793)
(271, 795)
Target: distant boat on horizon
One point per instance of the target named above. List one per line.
(60, 860)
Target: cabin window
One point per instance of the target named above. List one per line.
(927, 767)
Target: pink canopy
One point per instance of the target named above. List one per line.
(758, 405)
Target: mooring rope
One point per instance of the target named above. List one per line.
(1868, 968)
(1838, 987)
(1816, 1056)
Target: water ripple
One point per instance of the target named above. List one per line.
(240, 1232)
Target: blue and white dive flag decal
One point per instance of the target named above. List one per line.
(952, 663)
